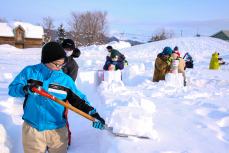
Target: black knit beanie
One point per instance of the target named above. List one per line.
(109, 47)
(68, 43)
(52, 51)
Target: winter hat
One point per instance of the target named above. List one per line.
(109, 47)
(76, 53)
(167, 51)
(68, 43)
(177, 52)
(175, 48)
(114, 53)
(52, 51)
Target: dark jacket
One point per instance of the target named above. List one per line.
(119, 65)
(121, 57)
(71, 67)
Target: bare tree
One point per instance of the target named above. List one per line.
(162, 34)
(88, 28)
(48, 26)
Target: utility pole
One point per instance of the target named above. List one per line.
(122, 35)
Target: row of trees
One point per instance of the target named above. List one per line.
(91, 28)
(161, 34)
(86, 29)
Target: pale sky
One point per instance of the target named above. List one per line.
(134, 17)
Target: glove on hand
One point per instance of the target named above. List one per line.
(169, 60)
(125, 62)
(28, 88)
(99, 124)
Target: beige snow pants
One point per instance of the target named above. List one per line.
(54, 141)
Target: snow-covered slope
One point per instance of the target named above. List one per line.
(193, 119)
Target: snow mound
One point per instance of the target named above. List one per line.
(3, 140)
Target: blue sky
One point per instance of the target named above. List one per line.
(134, 17)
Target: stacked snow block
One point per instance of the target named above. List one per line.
(109, 76)
(174, 80)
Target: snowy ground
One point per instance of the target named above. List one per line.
(192, 119)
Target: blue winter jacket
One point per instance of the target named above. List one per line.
(43, 113)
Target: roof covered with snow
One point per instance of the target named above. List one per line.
(31, 31)
(6, 30)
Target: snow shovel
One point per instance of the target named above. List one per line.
(43, 93)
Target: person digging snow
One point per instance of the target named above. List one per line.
(115, 61)
(44, 126)
(162, 64)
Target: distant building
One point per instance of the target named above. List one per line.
(224, 35)
(21, 35)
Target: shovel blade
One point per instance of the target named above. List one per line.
(110, 130)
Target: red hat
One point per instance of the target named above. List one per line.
(177, 52)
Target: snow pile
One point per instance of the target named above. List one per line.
(125, 113)
(3, 140)
(119, 45)
(94, 57)
(6, 76)
(112, 76)
(175, 80)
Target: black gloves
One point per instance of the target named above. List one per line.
(28, 88)
(100, 123)
(96, 115)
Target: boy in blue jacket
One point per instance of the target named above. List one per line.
(44, 124)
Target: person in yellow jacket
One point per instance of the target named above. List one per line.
(214, 63)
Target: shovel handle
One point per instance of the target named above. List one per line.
(42, 92)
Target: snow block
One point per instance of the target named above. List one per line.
(100, 76)
(87, 80)
(174, 80)
(174, 66)
(112, 76)
(94, 78)
(133, 120)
